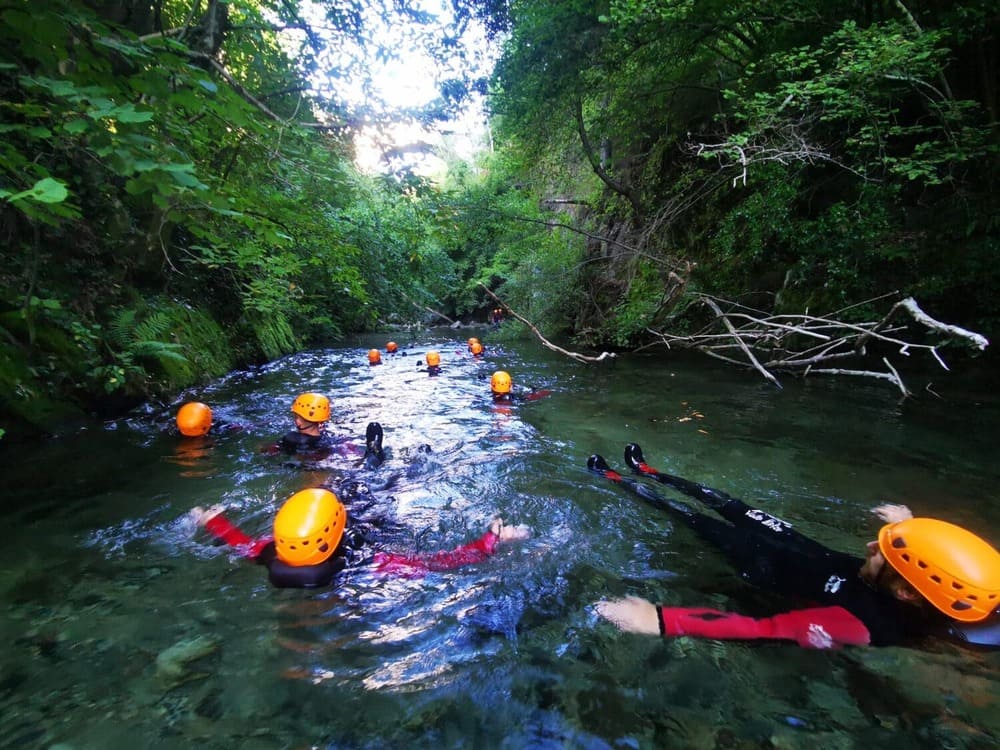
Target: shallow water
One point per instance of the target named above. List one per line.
(126, 627)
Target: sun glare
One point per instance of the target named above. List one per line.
(394, 72)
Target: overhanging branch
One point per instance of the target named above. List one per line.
(545, 342)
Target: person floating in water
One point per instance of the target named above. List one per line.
(374, 357)
(194, 419)
(433, 361)
(196, 423)
(921, 577)
(504, 392)
(309, 439)
(312, 542)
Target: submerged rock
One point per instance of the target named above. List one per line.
(173, 665)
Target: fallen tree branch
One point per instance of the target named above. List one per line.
(425, 307)
(545, 342)
(742, 344)
(803, 344)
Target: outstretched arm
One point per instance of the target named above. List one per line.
(466, 554)
(222, 528)
(820, 627)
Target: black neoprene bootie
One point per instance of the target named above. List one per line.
(633, 456)
(373, 441)
(596, 463)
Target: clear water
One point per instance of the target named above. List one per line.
(124, 627)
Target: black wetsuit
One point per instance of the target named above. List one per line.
(297, 442)
(768, 553)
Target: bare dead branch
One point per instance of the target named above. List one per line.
(781, 141)
(743, 346)
(865, 374)
(781, 343)
(545, 342)
(910, 305)
(424, 307)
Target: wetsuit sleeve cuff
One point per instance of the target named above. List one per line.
(660, 623)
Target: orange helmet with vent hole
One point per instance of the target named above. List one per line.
(194, 419)
(308, 527)
(952, 568)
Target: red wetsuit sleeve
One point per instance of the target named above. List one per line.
(222, 528)
(820, 627)
(415, 564)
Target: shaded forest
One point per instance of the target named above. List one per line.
(178, 194)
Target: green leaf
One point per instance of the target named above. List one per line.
(128, 113)
(47, 190)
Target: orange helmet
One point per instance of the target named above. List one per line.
(952, 568)
(308, 527)
(312, 406)
(500, 383)
(374, 357)
(476, 348)
(472, 341)
(433, 359)
(391, 347)
(194, 419)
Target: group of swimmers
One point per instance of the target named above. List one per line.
(920, 577)
(311, 538)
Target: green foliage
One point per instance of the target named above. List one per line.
(158, 158)
(875, 93)
(497, 234)
(789, 154)
(639, 307)
(273, 334)
(169, 206)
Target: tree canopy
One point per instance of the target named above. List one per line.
(798, 154)
(178, 192)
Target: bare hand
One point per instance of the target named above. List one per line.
(892, 513)
(201, 516)
(631, 614)
(509, 533)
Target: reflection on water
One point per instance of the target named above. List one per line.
(125, 627)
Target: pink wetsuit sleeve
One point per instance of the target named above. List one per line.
(820, 627)
(416, 564)
(222, 528)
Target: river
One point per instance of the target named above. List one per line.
(125, 626)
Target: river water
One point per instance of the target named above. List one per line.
(125, 626)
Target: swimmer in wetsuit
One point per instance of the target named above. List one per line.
(503, 392)
(194, 419)
(433, 360)
(309, 439)
(921, 577)
(311, 543)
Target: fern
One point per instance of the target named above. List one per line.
(121, 329)
(153, 327)
(158, 350)
(131, 340)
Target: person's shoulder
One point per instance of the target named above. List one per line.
(295, 441)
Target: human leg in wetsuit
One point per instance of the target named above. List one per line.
(766, 550)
